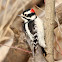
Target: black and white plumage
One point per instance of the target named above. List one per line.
(33, 27)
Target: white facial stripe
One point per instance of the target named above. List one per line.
(28, 12)
(33, 17)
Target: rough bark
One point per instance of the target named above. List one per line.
(49, 28)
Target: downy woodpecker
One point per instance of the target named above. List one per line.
(33, 27)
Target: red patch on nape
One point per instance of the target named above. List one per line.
(32, 10)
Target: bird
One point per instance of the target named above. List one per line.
(33, 28)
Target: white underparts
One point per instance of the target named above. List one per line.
(28, 31)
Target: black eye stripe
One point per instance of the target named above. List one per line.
(25, 15)
(31, 14)
(26, 18)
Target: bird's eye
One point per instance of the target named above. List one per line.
(25, 14)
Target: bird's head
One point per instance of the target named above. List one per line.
(28, 15)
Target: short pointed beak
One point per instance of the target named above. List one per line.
(20, 16)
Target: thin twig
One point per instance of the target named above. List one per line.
(59, 46)
(15, 17)
(5, 14)
(17, 48)
(59, 26)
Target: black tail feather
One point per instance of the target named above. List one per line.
(44, 52)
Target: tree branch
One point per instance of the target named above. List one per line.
(49, 28)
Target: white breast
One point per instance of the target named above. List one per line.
(28, 31)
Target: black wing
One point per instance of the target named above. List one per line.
(31, 27)
(33, 31)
